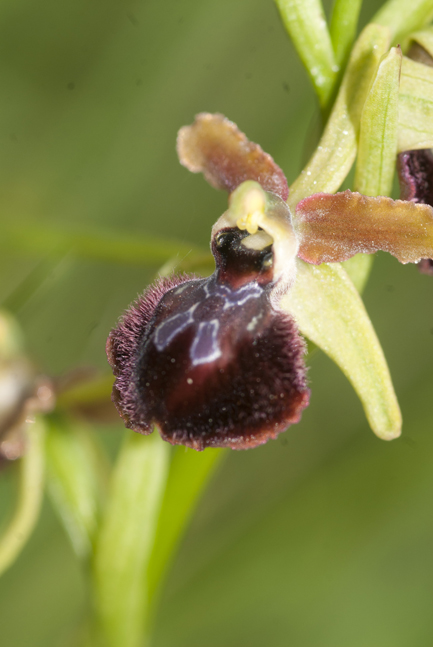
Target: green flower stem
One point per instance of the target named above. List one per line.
(403, 18)
(336, 152)
(87, 392)
(77, 475)
(343, 27)
(125, 540)
(306, 25)
(330, 312)
(95, 244)
(31, 485)
(188, 476)
(377, 148)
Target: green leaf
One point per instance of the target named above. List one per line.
(330, 312)
(126, 538)
(77, 475)
(95, 244)
(344, 20)
(402, 17)
(31, 487)
(415, 106)
(188, 476)
(336, 151)
(377, 146)
(306, 25)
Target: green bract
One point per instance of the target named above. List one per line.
(336, 151)
(330, 312)
(377, 147)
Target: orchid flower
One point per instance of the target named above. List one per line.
(219, 361)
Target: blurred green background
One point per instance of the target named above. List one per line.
(321, 538)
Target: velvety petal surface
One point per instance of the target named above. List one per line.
(211, 362)
(215, 146)
(332, 228)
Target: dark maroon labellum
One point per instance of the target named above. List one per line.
(210, 361)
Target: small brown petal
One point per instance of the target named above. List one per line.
(333, 228)
(215, 146)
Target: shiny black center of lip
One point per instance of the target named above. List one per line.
(237, 264)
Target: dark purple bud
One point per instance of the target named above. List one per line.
(415, 168)
(415, 173)
(211, 362)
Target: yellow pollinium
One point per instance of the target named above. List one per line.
(251, 203)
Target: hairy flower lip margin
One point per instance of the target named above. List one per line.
(210, 361)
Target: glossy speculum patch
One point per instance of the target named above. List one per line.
(214, 364)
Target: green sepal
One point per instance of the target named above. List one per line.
(415, 106)
(336, 151)
(358, 268)
(306, 25)
(377, 146)
(425, 39)
(403, 18)
(330, 312)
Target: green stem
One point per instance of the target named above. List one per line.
(126, 539)
(336, 152)
(31, 483)
(189, 474)
(95, 244)
(343, 28)
(306, 25)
